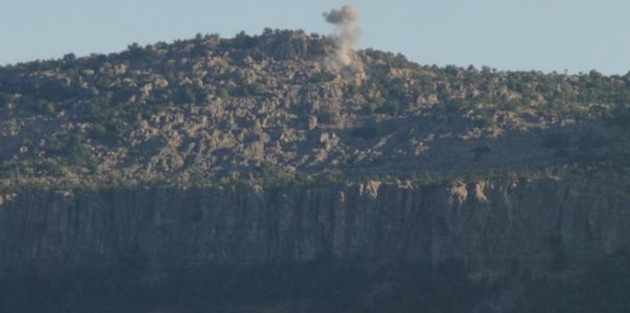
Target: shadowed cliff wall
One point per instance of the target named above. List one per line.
(489, 225)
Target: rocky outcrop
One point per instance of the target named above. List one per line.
(215, 109)
(490, 225)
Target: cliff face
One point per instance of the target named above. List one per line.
(488, 225)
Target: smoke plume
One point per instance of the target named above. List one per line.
(347, 35)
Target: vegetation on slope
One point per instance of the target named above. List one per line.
(265, 108)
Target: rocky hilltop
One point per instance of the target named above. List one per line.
(253, 151)
(266, 107)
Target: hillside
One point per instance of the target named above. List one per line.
(255, 174)
(267, 109)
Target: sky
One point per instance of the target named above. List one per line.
(541, 35)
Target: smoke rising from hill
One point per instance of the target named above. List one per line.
(347, 35)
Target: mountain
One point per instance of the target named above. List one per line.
(212, 110)
(249, 175)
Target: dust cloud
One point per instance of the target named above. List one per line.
(346, 36)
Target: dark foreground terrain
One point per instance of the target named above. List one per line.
(317, 286)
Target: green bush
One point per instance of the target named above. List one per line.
(321, 77)
(327, 117)
(390, 107)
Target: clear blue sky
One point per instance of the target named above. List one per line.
(546, 35)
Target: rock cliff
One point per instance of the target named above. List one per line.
(490, 225)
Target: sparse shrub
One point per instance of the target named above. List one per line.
(390, 107)
(5, 99)
(273, 176)
(352, 89)
(254, 89)
(321, 77)
(99, 131)
(106, 131)
(187, 95)
(484, 121)
(223, 93)
(26, 142)
(42, 106)
(135, 51)
(54, 144)
(48, 167)
(327, 117)
(244, 41)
